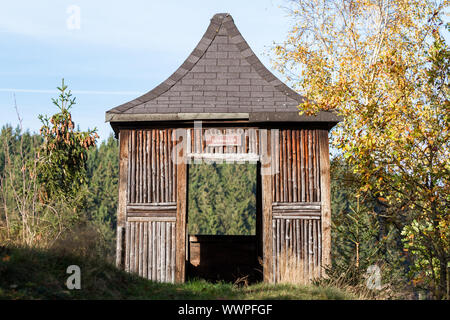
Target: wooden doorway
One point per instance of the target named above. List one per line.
(228, 246)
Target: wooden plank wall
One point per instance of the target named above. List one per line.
(151, 173)
(150, 235)
(296, 206)
(297, 157)
(295, 232)
(151, 249)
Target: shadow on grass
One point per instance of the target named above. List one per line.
(41, 274)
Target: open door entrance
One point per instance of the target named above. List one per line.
(224, 222)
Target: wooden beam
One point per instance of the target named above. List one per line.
(121, 207)
(266, 168)
(120, 247)
(296, 206)
(150, 207)
(325, 193)
(152, 214)
(277, 215)
(180, 255)
(227, 157)
(295, 213)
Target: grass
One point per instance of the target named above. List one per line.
(41, 274)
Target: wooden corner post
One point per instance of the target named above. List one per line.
(266, 173)
(325, 191)
(181, 178)
(121, 208)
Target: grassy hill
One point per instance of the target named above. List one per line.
(41, 274)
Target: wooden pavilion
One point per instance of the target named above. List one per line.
(222, 104)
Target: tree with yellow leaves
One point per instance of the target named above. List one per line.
(383, 65)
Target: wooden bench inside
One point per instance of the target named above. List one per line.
(223, 257)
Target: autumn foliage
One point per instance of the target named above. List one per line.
(384, 67)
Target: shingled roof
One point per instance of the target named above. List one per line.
(221, 79)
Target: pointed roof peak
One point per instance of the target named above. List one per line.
(222, 78)
(221, 15)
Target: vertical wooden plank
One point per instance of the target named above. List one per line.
(129, 168)
(168, 251)
(319, 240)
(141, 167)
(141, 248)
(266, 189)
(278, 160)
(149, 250)
(133, 167)
(144, 250)
(284, 167)
(289, 165)
(293, 249)
(173, 248)
(258, 142)
(144, 166)
(169, 165)
(278, 250)
(314, 232)
(154, 156)
(288, 243)
(302, 165)
(298, 241)
(307, 166)
(310, 167)
(310, 249)
(273, 166)
(325, 192)
(283, 244)
(280, 166)
(318, 164)
(181, 215)
(157, 168)
(136, 248)
(137, 167)
(305, 249)
(274, 246)
(163, 251)
(162, 166)
(166, 168)
(127, 247)
(158, 251)
(154, 252)
(132, 246)
(298, 164)
(294, 166)
(149, 165)
(314, 162)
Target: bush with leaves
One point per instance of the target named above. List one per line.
(384, 67)
(363, 241)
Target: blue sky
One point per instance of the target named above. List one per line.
(121, 49)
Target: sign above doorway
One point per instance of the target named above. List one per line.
(220, 140)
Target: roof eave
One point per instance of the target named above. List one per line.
(322, 116)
